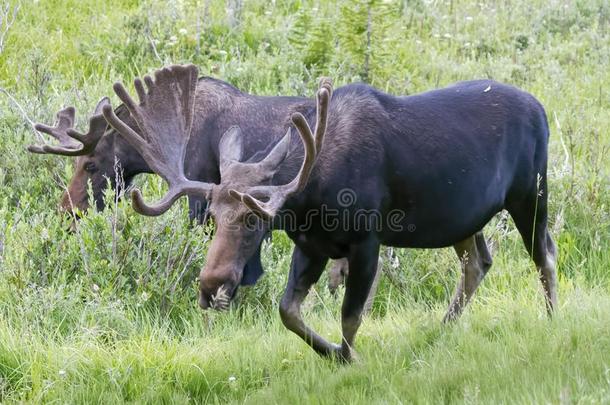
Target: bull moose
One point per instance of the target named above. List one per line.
(426, 171)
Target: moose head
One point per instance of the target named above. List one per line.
(97, 153)
(244, 201)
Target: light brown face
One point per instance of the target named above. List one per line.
(238, 234)
(239, 231)
(75, 198)
(92, 172)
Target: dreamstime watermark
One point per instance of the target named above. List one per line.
(344, 214)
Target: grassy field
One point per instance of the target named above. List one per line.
(108, 314)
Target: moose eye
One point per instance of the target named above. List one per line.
(90, 167)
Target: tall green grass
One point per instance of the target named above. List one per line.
(109, 313)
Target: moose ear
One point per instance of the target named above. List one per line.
(277, 154)
(231, 146)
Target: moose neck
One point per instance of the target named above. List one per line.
(128, 157)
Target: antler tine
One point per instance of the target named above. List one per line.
(64, 120)
(312, 147)
(312, 150)
(65, 133)
(164, 117)
(309, 144)
(125, 130)
(139, 88)
(325, 86)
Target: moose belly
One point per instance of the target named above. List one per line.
(440, 214)
(424, 221)
(440, 230)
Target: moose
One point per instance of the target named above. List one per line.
(218, 106)
(427, 170)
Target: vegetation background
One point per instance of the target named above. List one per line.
(108, 314)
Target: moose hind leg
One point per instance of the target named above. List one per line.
(304, 272)
(545, 263)
(544, 255)
(337, 274)
(531, 221)
(476, 261)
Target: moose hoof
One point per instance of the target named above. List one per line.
(343, 355)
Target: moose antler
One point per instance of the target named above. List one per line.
(72, 142)
(165, 118)
(312, 144)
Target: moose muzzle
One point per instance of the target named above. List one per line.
(216, 291)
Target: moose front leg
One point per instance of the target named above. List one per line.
(363, 260)
(305, 271)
